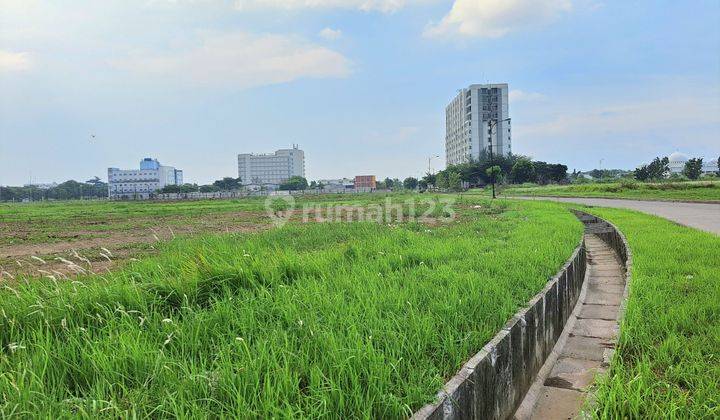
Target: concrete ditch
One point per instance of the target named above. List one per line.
(495, 381)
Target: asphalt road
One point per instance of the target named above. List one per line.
(701, 216)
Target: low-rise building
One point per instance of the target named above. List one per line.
(141, 183)
(365, 183)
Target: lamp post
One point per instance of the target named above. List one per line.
(430, 158)
(493, 122)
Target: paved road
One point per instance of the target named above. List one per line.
(698, 215)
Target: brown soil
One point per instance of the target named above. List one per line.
(84, 248)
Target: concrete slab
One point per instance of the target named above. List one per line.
(558, 403)
(588, 348)
(600, 287)
(604, 298)
(575, 374)
(609, 312)
(598, 328)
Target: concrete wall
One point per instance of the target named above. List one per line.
(494, 381)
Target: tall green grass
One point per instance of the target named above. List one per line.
(667, 364)
(341, 320)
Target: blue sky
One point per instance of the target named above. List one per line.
(360, 85)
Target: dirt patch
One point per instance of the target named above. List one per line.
(39, 249)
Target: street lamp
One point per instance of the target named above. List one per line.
(493, 124)
(430, 158)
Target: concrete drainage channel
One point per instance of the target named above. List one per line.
(542, 362)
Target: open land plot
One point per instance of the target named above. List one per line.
(308, 320)
(101, 235)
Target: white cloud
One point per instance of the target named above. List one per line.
(518, 95)
(496, 18)
(241, 60)
(14, 61)
(630, 118)
(384, 6)
(330, 34)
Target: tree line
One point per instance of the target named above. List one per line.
(659, 168)
(515, 169)
(68, 190)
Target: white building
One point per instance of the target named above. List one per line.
(140, 183)
(272, 168)
(678, 160)
(467, 123)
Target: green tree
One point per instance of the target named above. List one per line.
(410, 183)
(228, 183)
(441, 180)
(454, 181)
(208, 188)
(693, 168)
(522, 171)
(294, 183)
(642, 173)
(389, 183)
(658, 168)
(718, 164)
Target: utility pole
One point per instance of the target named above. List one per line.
(493, 122)
(430, 158)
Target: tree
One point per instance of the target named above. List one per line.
(228, 183)
(389, 183)
(693, 168)
(658, 168)
(718, 163)
(294, 183)
(454, 181)
(642, 173)
(209, 188)
(429, 179)
(313, 184)
(178, 189)
(410, 183)
(522, 171)
(441, 180)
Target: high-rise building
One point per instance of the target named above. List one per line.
(468, 123)
(140, 183)
(272, 168)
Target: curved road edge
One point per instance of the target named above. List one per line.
(702, 216)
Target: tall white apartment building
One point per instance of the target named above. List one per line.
(140, 183)
(271, 168)
(467, 123)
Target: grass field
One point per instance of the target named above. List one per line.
(128, 230)
(668, 360)
(341, 320)
(673, 191)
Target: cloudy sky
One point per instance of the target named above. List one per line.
(360, 85)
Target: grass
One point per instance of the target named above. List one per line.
(672, 191)
(667, 363)
(332, 320)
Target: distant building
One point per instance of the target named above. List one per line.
(272, 168)
(337, 185)
(467, 123)
(365, 183)
(141, 183)
(678, 160)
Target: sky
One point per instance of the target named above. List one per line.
(360, 85)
